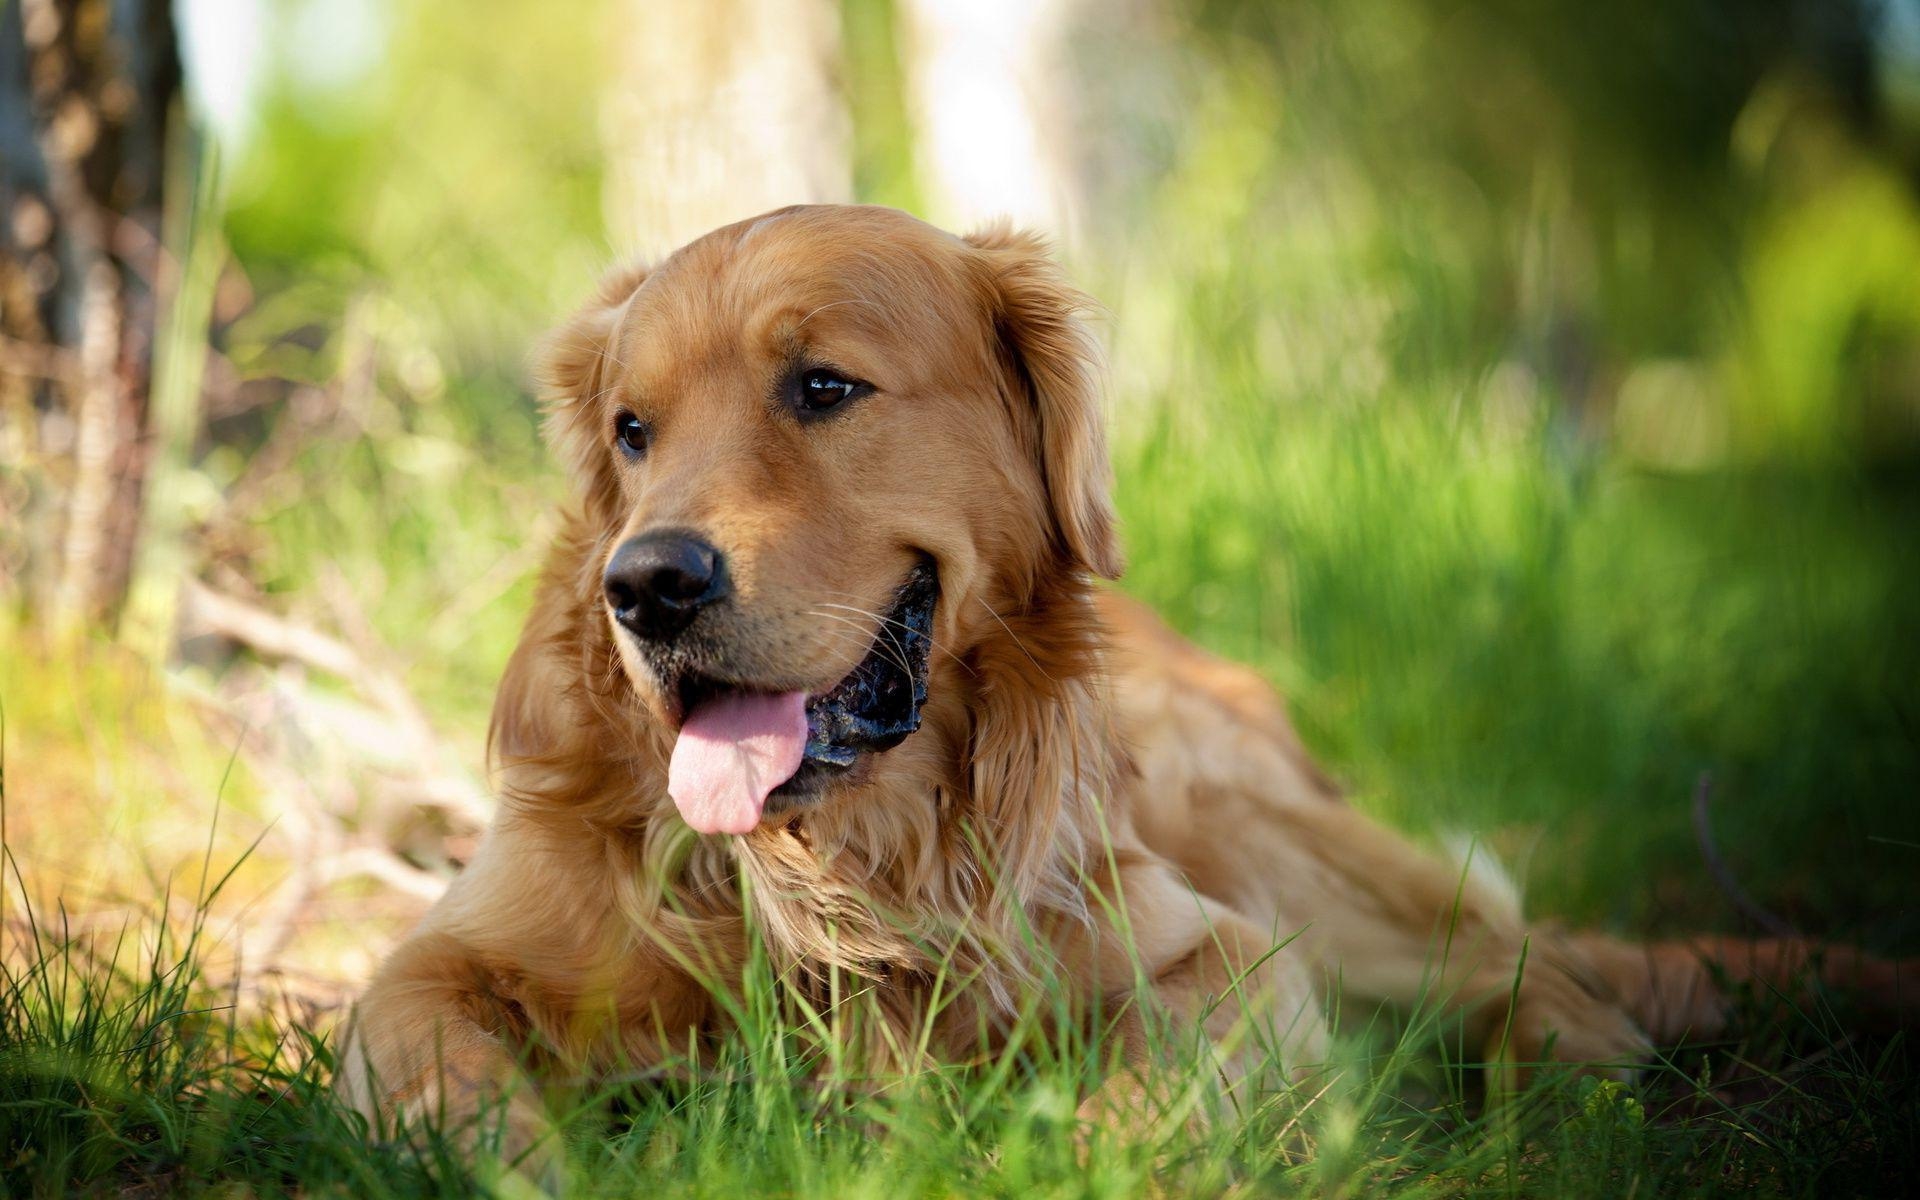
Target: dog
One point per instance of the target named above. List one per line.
(821, 662)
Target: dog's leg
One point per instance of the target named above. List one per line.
(1382, 920)
(1394, 923)
(426, 1039)
(523, 954)
(1208, 973)
(430, 1043)
(1678, 989)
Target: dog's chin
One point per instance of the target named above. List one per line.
(815, 783)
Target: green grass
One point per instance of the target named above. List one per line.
(128, 1071)
(128, 1067)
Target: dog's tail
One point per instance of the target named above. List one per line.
(1688, 988)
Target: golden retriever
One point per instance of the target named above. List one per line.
(822, 658)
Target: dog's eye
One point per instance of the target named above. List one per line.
(821, 389)
(632, 433)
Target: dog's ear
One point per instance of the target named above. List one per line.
(1041, 322)
(570, 370)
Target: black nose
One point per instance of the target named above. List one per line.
(657, 582)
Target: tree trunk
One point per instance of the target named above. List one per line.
(721, 110)
(87, 90)
(990, 111)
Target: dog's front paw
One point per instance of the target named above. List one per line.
(514, 1139)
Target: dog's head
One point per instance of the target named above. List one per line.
(822, 449)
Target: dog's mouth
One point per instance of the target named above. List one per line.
(742, 751)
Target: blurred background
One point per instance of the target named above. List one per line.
(1531, 390)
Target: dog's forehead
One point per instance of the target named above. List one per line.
(872, 272)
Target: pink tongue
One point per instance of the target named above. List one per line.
(731, 752)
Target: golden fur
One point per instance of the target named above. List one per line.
(1089, 795)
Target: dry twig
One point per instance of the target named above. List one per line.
(1722, 874)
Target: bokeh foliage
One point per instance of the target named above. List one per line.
(1532, 390)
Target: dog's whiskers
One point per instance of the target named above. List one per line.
(860, 640)
(901, 655)
(845, 638)
(867, 612)
(1016, 640)
(893, 639)
(898, 655)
